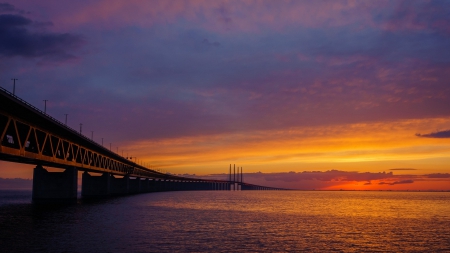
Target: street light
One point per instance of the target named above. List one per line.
(14, 85)
(45, 105)
(66, 118)
(80, 127)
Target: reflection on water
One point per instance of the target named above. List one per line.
(249, 221)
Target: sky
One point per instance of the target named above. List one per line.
(301, 94)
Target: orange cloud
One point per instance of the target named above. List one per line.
(368, 145)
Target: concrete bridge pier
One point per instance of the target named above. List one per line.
(158, 185)
(181, 185)
(134, 185)
(151, 185)
(120, 186)
(164, 185)
(170, 185)
(155, 185)
(96, 186)
(188, 185)
(145, 185)
(54, 187)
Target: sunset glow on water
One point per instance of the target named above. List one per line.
(247, 221)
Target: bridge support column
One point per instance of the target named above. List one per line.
(145, 185)
(119, 186)
(95, 186)
(51, 187)
(153, 185)
(134, 185)
(158, 185)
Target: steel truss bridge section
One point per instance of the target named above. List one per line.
(30, 136)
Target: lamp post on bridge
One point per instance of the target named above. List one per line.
(14, 85)
(66, 118)
(45, 105)
(81, 125)
(92, 135)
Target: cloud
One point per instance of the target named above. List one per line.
(6, 7)
(9, 8)
(408, 181)
(334, 180)
(438, 175)
(206, 42)
(402, 169)
(331, 175)
(18, 39)
(419, 15)
(438, 134)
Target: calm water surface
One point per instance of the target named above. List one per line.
(222, 221)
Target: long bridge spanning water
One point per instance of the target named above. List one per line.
(31, 136)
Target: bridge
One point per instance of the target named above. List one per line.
(31, 136)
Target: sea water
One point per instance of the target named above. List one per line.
(230, 221)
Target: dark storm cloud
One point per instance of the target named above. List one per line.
(439, 134)
(17, 39)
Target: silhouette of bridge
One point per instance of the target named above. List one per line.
(31, 136)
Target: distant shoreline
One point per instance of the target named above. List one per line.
(16, 184)
(27, 184)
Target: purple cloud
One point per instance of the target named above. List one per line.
(9, 8)
(439, 134)
(18, 39)
(6, 7)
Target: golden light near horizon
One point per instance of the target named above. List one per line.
(303, 147)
